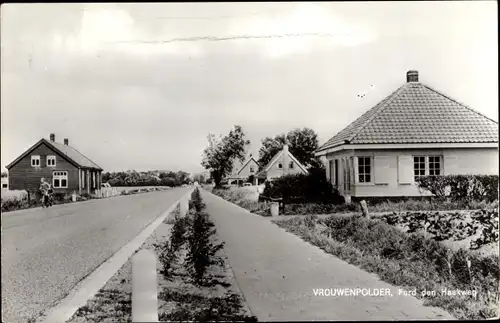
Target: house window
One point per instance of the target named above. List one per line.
(251, 169)
(60, 179)
(426, 165)
(280, 165)
(51, 161)
(418, 166)
(290, 165)
(93, 180)
(35, 161)
(434, 165)
(4, 185)
(364, 169)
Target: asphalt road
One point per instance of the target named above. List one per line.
(46, 252)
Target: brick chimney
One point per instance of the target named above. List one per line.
(52, 137)
(285, 147)
(412, 76)
(66, 141)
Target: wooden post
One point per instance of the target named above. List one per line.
(364, 209)
(144, 287)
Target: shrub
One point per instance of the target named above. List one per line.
(201, 248)
(14, 203)
(313, 187)
(86, 196)
(461, 187)
(168, 251)
(59, 197)
(489, 221)
(449, 225)
(196, 202)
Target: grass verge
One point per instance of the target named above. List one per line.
(198, 284)
(243, 200)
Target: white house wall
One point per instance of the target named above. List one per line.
(471, 161)
(392, 170)
(276, 172)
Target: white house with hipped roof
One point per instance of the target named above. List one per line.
(415, 131)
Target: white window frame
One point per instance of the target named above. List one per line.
(415, 176)
(280, 165)
(439, 162)
(59, 175)
(364, 173)
(251, 169)
(53, 159)
(35, 158)
(427, 163)
(290, 164)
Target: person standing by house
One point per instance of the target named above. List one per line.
(46, 190)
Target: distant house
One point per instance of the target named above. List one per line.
(5, 183)
(413, 132)
(249, 167)
(63, 166)
(283, 163)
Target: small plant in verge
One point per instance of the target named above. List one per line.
(168, 250)
(202, 250)
(196, 202)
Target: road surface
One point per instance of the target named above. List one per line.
(46, 252)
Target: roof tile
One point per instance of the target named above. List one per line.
(416, 113)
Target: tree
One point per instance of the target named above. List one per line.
(219, 156)
(302, 143)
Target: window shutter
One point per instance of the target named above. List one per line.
(351, 171)
(329, 170)
(355, 170)
(405, 169)
(381, 169)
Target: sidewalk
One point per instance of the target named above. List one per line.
(277, 272)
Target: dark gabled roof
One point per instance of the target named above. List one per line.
(68, 152)
(416, 113)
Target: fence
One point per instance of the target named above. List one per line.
(107, 192)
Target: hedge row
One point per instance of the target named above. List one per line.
(299, 188)
(461, 187)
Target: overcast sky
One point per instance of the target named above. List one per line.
(140, 86)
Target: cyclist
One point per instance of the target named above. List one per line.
(46, 190)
